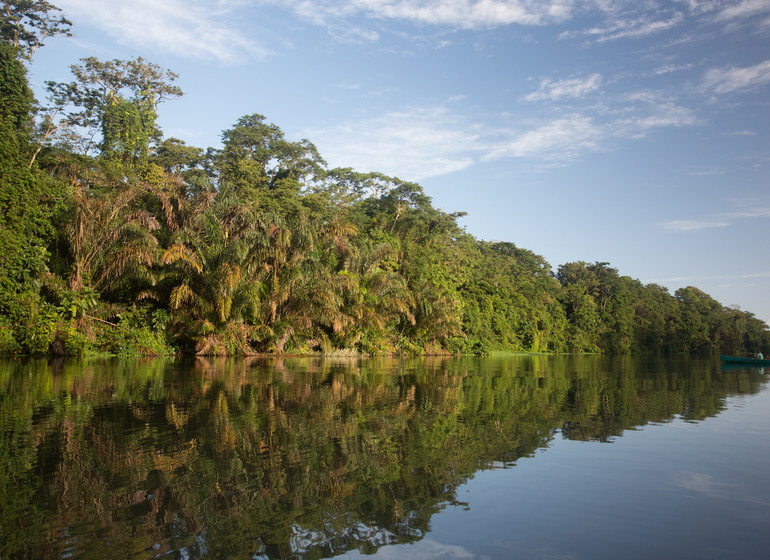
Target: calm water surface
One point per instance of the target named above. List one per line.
(502, 457)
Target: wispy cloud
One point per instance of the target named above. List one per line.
(413, 144)
(466, 14)
(707, 173)
(726, 219)
(693, 225)
(187, 28)
(628, 28)
(421, 142)
(637, 114)
(735, 79)
(650, 111)
(757, 212)
(560, 139)
(425, 142)
(572, 87)
(669, 68)
(717, 278)
(744, 9)
(615, 19)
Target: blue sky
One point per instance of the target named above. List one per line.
(634, 132)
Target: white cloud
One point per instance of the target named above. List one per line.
(733, 79)
(412, 144)
(467, 14)
(187, 28)
(718, 278)
(426, 142)
(561, 139)
(667, 114)
(643, 111)
(692, 225)
(758, 212)
(633, 28)
(744, 9)
(422, 142)
(573, 87)
(707, 173)
(669, 68)
(722, 220)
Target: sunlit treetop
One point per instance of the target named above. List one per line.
(26, 24)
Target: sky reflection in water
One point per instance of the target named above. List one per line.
(506, 457)
(670, 490)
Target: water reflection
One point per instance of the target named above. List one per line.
(297, 457)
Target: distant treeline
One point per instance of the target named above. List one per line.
(116, 239)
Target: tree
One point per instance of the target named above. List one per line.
(376, 298)
(24, 219)
(115, 102)
(699, 319)
(301, 294)
(109, 235)
(657, 319)
(26, 24)
(578, 283)
(256, 158)
(213, 266)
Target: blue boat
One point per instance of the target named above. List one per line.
(747, 362)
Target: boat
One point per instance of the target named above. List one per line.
(746, 362)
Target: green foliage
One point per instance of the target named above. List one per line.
(256, 158)
(116, 100)
(139, 332)
(24, 218)
(154, 451)
(127, 129)
(76, 342)
(257, 247)
(25, 24)
(37, 328)
(9, 343)
(75, 304)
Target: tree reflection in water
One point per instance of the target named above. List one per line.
(295, 457)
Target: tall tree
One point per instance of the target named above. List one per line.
(700, 316)
(115, 102)
(256, 157)
(213, 277)
(24, 220)
(26, 24)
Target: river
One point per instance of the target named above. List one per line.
(510, 456)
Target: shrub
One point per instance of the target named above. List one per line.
(139, 332)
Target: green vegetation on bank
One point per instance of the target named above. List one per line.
(116, 239)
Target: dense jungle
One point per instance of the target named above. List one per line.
(117, 240)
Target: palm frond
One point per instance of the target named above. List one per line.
(180, 295)
(179, 252)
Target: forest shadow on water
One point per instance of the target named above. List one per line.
(299, 457)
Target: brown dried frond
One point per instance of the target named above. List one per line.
(179, 252)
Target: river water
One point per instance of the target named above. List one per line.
(511, 456)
